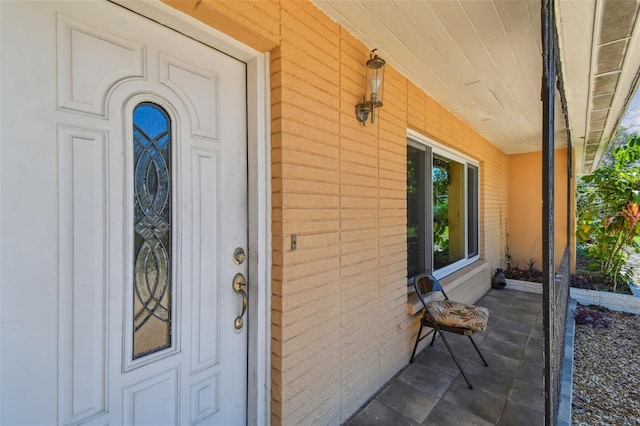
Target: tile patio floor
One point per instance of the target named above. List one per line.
(432, 391)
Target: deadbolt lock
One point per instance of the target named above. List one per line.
(239, 256)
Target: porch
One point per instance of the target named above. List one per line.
(509, 391)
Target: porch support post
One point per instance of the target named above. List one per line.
(548, 178)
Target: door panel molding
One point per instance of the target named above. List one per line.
(191, 83)
(205, 170)
(83, 187)
(87, 91)
(207, 389)
(140, 399)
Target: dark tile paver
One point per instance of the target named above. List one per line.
(537, 332)
(533, 356)
(521, 415)
(460, 345)
(447, 414)
(510, 350)
(514, 326)
(378, 413)
(521, 315)
(509, 391)
(441, 361)
(492, 380)
(529, 394)
(508, 335)
(498, 362)
(536, 343)
(427, 380)
(530, 373)
(408, 400)
(476, 401)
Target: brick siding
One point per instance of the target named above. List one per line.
(340, 327)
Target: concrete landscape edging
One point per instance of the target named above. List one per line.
(565, 397)
(528, 286)
(614, 301)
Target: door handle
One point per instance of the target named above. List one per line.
(240, 287)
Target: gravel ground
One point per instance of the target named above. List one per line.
(606, 362)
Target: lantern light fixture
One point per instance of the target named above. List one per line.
(373, 90)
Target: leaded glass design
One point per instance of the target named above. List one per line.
(152, 224)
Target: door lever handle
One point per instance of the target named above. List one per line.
(240, 287)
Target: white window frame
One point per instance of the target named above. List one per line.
(419, 141)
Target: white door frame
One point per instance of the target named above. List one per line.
(259, 193)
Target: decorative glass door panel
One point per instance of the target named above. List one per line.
(152, 224)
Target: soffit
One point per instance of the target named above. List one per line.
(600, 51)
(482, 60)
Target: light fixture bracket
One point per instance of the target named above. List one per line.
(363, 109)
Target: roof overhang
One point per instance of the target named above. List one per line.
(600, 53)
(482, 60)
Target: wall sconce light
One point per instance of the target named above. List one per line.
(373, 89)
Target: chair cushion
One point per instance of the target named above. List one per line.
(456, 314)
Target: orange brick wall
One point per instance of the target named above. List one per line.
(339, 324)
(253, 22)
(306, 189)
(525, 205)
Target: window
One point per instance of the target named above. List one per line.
(442, 210)
(152, 224)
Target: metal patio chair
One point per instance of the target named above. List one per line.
(447, 315)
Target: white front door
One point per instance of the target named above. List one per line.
(123, 221)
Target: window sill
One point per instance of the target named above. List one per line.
(449, 283)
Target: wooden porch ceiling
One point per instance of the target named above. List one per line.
(483, 61)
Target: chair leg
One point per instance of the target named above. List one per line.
(413, 354)
(479, 353)
(444, 339)
(433, 339)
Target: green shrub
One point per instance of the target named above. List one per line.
(609, 211)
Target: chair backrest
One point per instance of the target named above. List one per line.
(426, 284)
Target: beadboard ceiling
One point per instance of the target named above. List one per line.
(482, 60)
